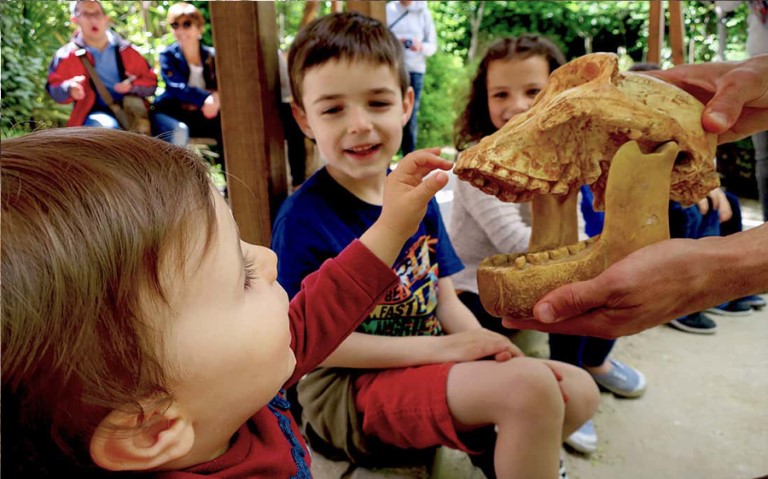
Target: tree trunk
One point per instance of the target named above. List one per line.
(475, 21)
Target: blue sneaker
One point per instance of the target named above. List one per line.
(585, 439)
(753, 301)
(731, 308)
(621, 380)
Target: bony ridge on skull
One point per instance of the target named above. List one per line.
(637, 141)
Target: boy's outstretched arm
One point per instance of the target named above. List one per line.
(406, 195)
(354, 281)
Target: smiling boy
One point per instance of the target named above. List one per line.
(415, 374)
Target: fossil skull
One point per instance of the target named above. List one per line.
(636, 140)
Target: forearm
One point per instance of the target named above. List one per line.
(60, 92)
(453, 315)
(368, 351)
(383, 242)
(143, 91)
(738, 264)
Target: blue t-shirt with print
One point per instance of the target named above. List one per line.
(321, 218)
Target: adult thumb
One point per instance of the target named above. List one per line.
(732, 94)
(568, 301)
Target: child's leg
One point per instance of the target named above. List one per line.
(583, 393)
(523, 398)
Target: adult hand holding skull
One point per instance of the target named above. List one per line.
(639, 291)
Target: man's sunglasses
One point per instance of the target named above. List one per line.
(186, 24)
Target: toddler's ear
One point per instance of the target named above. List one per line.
(120, 443)
(408, 100)
(301, 120)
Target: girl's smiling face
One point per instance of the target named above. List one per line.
(512, 86)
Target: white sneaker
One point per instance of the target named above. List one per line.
(585, 439)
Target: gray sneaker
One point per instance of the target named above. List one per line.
(585, 439)
(622, 380)
(696, 323)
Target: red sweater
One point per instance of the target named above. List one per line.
(337, 298)
(66, 64)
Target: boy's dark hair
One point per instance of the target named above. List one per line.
(475, 120)
(644, 67)
(346, 36)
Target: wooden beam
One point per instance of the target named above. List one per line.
(676, 31)
(655, 31)
(374, 9)
(245, 35)
(310, 12)
(337, 6)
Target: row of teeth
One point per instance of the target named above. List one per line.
(358, 149)
(519, 261)
(514, 183)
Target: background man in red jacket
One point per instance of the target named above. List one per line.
(120, 66)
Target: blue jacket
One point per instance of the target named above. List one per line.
(175, 71)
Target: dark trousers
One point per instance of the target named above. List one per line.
(411, 129)
(472, 302)
(582, 351)
(760, 141)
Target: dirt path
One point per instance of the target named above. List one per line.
(705, 414)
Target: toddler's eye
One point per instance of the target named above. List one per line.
(380, 104)
(249, 267)
(501, 94)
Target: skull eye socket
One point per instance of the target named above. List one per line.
(684, 160)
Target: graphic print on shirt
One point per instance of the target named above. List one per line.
(410, 309)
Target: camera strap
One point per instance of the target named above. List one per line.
(398, 19)
(117, 110)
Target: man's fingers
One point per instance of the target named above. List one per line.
(592, 324)
(750, 121)
(736, 89)
(570, 300)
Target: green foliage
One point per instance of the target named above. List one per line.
(32, 30)
(28, 28)
(442, 84)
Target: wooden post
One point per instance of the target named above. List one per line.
(676, 31)
(245, 35)
(655, 31)
(337, 6)
(373, 9)
(310, 12)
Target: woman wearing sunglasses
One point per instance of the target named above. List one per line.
(187, 66)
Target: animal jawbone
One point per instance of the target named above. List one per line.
(636, 215)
